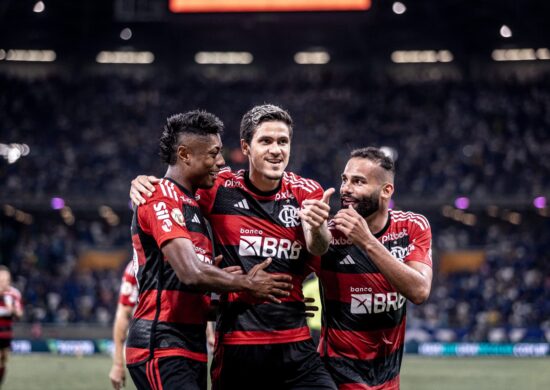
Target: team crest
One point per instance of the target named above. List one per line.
(289, 216)
(178, 217)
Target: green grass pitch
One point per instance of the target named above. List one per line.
(50, 372)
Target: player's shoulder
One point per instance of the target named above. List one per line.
(410, 218)
(230, 178)
(166, 190)
(296, 182)
(228, 173)
(129, 269)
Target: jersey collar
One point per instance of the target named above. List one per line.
(257, 191)
(385, 228)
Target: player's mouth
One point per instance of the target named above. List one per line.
(214, 174)
(347, 201)
(274, 161)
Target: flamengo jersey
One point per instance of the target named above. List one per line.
(250, 226)
(10, 297)
(170, 318)
(128, 287)
(363, 330)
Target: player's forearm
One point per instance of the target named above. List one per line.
(409, 282)
(317, 239)
(210, 278)
(120, 332)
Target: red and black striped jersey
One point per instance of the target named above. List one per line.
(9, 301)
(170, 318)
(363, 330)
(249, 226)
(128, 287)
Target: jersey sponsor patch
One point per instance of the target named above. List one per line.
(177, 216)
(162, 215)
(376, 303)
(281, 248)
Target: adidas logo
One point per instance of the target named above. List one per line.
(347, 260)
(196, 219)
(243, 204)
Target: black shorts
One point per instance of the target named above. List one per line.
(169, 373)
(5, 343)
(288, 366)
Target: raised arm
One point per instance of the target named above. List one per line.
(412, 279)
(314, 215)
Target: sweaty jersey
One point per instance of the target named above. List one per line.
(363, 331)
(9, 298)
(170, 318)
(249, 226)
(128, 287)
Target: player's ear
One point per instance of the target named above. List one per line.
(387, 191)
(184, 153)
(244, 147)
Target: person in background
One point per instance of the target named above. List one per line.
(10, 308)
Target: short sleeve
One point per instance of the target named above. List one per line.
(420, 247)
(162, 218)
(128, 288)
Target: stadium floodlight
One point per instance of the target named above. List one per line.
(125, 57)
(505, 31)
(39, 7)
(224, 58)
(421, 56)
(398, 8)
(57, 203)
(527, 54)
(543, 54)
(28, 55)
(312, 57)
(462, 203)
(539, 202)
(126, 34)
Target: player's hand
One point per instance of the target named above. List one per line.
(142, 186)
(310, 308)
(269, 286)
(118, 376)
(232, 269)
(353, 225)
(315, 212)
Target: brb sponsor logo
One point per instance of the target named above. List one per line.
(363, 301)
(289, 216)
(257, 245)
(162, 215)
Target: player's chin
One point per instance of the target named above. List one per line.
(208, 183)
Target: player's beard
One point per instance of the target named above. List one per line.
(368, 204)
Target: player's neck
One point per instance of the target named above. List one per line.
(262, 183)
(176, 173)
(378, 220)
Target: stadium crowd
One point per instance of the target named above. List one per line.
(90, 135)
(96, 132)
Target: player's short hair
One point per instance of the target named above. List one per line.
(3, 268)
(264, 113)
(377, 156)
(197, 122)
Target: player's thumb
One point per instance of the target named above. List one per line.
(327, 194)
(263, 265)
